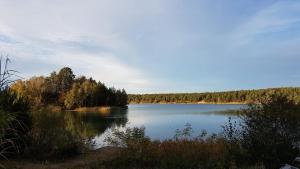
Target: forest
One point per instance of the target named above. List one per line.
(242, 96)
(63, 89)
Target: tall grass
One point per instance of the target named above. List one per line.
(12, 113)
(183, 151)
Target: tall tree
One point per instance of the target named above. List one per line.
(65, 79)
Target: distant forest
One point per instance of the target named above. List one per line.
(242, 96)
(63, 89)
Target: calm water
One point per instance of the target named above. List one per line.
(160, 120)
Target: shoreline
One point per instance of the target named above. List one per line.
(216, 103)
(97, 108)
(54, 108)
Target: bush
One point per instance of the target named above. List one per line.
(269, 133)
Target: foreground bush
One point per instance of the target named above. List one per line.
(271, 131)
(181, 152)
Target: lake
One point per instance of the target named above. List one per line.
(160, 120)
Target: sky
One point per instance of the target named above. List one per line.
(157, 46)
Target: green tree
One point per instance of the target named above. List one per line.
(65, 78)
(52, 88)
(75, 97)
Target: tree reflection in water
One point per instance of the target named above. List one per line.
(63, 133)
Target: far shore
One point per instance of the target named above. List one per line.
(101, 109)
(229, 103)
(97, 109)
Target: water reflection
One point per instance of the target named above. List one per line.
(59, 127)
(160, 121)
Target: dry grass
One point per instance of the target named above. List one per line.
(104, 109)
(88, 160)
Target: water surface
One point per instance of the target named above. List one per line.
(160, 120)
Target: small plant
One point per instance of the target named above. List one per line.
(185, 133)
(123, 138)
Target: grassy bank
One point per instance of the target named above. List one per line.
(103, 158)
(87, 160)
(101, 109)
(55, 108)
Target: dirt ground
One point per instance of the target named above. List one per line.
(84, 161)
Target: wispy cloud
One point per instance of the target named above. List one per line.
(282, 16)
(158, 45)
(83, 58)
(88, 36)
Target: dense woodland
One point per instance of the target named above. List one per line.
(63, 89)
(242, 96)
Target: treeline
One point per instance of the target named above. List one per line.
(242, 96)
(63, 89)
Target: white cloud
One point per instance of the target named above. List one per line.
(86, 35)
(104, 66)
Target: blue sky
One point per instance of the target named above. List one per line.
(157, 45)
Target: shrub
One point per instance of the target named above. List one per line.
(183, 152)
(269, 133)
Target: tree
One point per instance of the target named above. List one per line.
(111, 96)
(52, 88)
(36, 88)
(101, 93)
(64, 90)
(65, 78)
(124, 99)
(75, 97)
